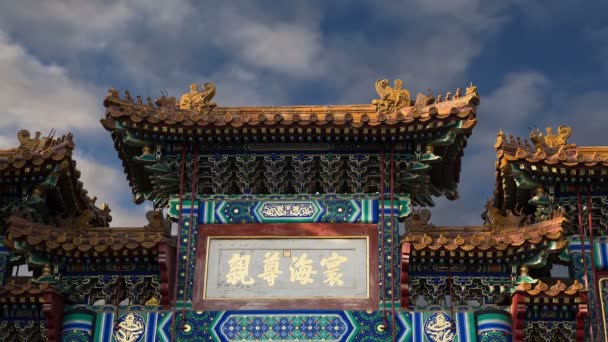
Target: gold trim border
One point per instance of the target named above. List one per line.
(272, 237)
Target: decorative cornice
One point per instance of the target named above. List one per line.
(24, 287)
(188, 116)
(92, 240)
(551, 150)
(483, 239)
(558, 289)
(32, 153)
(41, 163)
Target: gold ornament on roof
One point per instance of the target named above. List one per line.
(551, 140)
(471, 89)
(494, 219)
(33, 144)
(25, 142)
(198, 100)
(391, 99)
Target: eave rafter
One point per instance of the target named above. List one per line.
(428, 133)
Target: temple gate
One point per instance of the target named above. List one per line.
(303, 223)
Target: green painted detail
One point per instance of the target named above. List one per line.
(417, 167)
(430, 157)
(76, 336)
(405, 205)
(132, 141)
(186, 204)
(38, 259)
(447, 139)
(285, 212)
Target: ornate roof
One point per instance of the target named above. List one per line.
(393, 109)
(92, 240)
(524, 165)
(541, 289)
(424, 236)
(550, 149)
(48, 182)
(292, 149)
(34, 152)
(24, 287)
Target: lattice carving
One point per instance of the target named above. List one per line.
(88, 290)
(331, 173)
(304, 173)
(222, 173)
(22, 331)
(247, 173)
(276, 173)
(357, 172)
(542, 331)
(469, 291)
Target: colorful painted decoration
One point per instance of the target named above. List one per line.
(439, 327)
(129, 327)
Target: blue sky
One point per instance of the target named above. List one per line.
(536, 63)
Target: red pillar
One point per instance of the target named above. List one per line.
(167, 264)
(518, 317)
(405, 275)
(581, 314)
(53, 310)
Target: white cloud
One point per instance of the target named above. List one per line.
(508, 107)
(110, 186)
(521, 98)
(37, 96)
(285, 47)
(587, 116)
(41, 96)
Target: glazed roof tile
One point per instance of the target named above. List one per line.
(49, 155)
(549, 149)
(91, 240)
(485, 239)
(34, 152)
(559, 289)
(167, 113)
(24, 287)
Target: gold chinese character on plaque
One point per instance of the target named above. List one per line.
(301, 270)
(238, 270)
(332, 263)
(271, 268)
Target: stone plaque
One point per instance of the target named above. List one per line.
(297, 264)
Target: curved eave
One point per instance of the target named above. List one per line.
(349, 116)
(135, 125)
(460, 240)
(82, 241)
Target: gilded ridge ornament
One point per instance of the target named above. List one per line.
(497, 221)
(551, 140)
(26, 143)
(391, 99)
(198, 100)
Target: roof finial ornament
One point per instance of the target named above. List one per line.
(25, 142)
(128, 96)
(198, 100)
(500, 137)
(551, 140)
(471, 89)
(391, 99)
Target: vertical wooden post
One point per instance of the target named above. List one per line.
(405, 275)
(518, 316)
